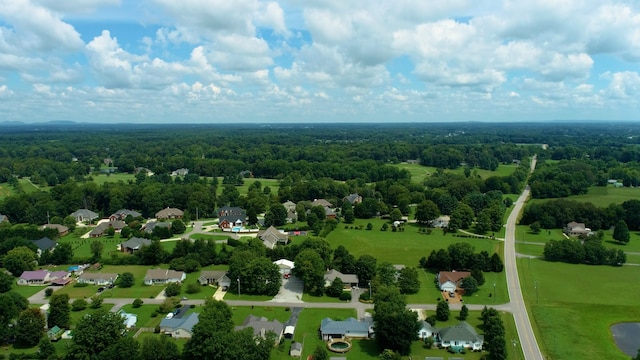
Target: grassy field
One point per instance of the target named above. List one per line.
(6, 190)
(572, 317)
(244, 188)
(100, 179)
(602, 196)
(27, 291)
(419, 173)
(405, 247)
(28, 187)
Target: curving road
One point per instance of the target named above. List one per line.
(528, 341)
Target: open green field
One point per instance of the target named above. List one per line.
(28, 187)
(6, 190)
(602, 196)
(244, 188)
(405, 247)
(100, 179)
(573, 306)
(419, 173)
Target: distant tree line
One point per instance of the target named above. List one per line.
(589, 251)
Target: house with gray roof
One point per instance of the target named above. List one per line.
(43, 277)
(261, 326)
(426, 330)
(134, 244)
(349, 280)
(461, 335)
(97, 278)
(84, 215)
(169, 214)
(214, 277)
(62, 230)
(352, 328)
(289, 205)
(353, 198)
(321, 202)
(44, 244)
(148, 227)
(163, 276)
(123, 213)
(272, 237)
(180, 328)
(230, 216)
(102, 228)
(296, 349)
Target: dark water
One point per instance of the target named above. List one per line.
(627, 337)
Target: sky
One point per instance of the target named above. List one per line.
(297, 61)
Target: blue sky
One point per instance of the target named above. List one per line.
(221, 61)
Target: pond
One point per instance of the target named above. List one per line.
(627, 337)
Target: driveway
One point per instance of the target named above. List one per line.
(290, 291)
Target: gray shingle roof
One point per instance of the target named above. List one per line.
(135, 243)
(460, 332)
(44, 244)
(185, 323)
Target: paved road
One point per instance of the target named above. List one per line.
(528, 341)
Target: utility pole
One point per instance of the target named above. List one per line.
(369, 290)
(494, 293)
(238, 286)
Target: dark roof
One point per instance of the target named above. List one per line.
(85, 214)
(352, 197)
(135, 243)
(148, 227)
(460, 332)
(453, 276)
(123, 213)
(185, 323)
(169, 213)
(44, 244)
(261, 325)
(61, 228)
(350, 325)
(231, 214)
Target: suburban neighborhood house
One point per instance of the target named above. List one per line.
(62, 230)
(169, 214)
(134, 244)
(349, 280)
(352, 328)
(97, 278)
(123, 213)
(84, 215)
(102, 227)
(450, 280)
(285, 266)
(353, 199)
(163, 276)
(272, 237)
(229, 217)
(426, 330)
(460, 336)
(321, 202)
(261, 326)
(576, 229)
(181, 328)
(148, 227)
(43, 277)
(214, 277)
(44, 244)
(180, 172)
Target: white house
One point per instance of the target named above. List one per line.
(97, 278)
(163, 276)
(426, 330)
(450, 280)
(285, 266)
(461, 335)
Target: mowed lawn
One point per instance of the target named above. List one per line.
(6, 190)
(100, 179)
(405, 247)
(602, 196)
(573, 306)
(244, 188)
(419, 173)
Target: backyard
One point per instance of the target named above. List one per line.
(419, 173)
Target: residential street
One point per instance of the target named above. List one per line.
(528, 341)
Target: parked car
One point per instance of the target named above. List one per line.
(169, 316)
(100, 289)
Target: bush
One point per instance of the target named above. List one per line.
(365, 296)
(80, 284)
(48, 292)
(172, 289)
(79, 305)
(193, 288)
(345, 296)
(137, 303)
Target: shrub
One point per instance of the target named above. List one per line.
(193, 288)
(137, 303)
(80, 284)
(172, 289)
(48, 292)
(79, 305)
(345, 296)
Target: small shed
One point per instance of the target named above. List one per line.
(296, 349)
(54, 333)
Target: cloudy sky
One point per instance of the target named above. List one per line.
(221, 61)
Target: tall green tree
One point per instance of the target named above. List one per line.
(621, 232)
(408, 281)
(276, 216)
(396, 326)
(366, 268)
(63, 254)
(125, 348)
(19, 260)
(442, 311)
(59, 311)
(159, 347)
(95, 332)
(426, 212)
(96, 250)
(310, 269)
(6, 282)
(29, 327)
(46, 350)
